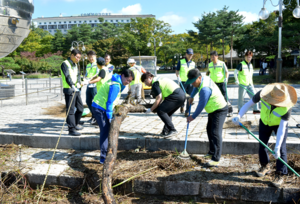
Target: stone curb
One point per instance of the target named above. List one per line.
(194, 146)
(200, 190)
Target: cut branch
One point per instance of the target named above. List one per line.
(120, 114)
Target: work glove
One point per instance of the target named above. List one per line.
(179, 80)
(148, 110)
(225, 80)
(237, 83)
(78, 85)
(74, 88)
(236, 120)
(277, 153)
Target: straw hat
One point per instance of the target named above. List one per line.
(279, 94)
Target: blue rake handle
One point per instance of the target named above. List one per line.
(187, 130)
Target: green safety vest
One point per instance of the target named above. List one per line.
(184, 69)
(216, 100)
(245, 76)
(73, 71)
(167, 86)
(137, 71)
(91, 70)
(108, 75)
(102, 95)
(272, 118)
(217, 74)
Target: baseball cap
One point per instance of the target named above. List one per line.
(100, 61)
(193, 76)
(190, 51)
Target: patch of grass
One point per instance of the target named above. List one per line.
(32, 76)
(165, 71)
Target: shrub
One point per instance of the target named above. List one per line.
(287, 73)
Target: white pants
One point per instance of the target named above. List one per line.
(136, 91)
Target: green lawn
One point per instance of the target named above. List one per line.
(265, 79)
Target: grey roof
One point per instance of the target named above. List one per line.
(96, 16)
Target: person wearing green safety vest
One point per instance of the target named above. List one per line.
(136, 85)
(169, 97)
(71, 85)
(103, 76)
(91, 90)
(108, 66)
(103, 105)
(218, 72)
(182, 70)
(244, 78)
(212, 100)
(277, 100)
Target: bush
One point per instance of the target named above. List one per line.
(32, 76)
(287, 73)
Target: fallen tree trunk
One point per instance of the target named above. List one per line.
(120, 114)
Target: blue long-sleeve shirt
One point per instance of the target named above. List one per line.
(204, 96)
(113, 93)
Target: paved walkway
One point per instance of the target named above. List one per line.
(30, 120)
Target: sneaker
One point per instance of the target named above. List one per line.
(256, 112)
(171, 133)
(94, 122)
(181, 110)
(164, 133)
(263, 170)
(81, 122)
(102, 160)
(212, 163)
(79, 127)
(186, 114)
(207, 156)
(278, 181)
(90, 120)
(74, 133)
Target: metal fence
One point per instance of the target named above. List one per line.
(30, 91)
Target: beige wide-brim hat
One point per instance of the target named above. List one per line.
(279, 94)
(131, 61)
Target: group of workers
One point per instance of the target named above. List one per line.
(104, 90)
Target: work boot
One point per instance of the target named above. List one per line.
(164, 133)
(102, 160)
(94, 122)
(278, 181)
(263, 170)
(74, 133)
(81, 122)
(79, 127)
(256, 112)
(171, 133)
(181, 110)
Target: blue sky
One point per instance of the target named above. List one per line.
(180, 14)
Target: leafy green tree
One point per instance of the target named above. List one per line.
(8, 63)
(31, 43)
(52, 63)
(85, 34)
(105, 30)
(58, 42)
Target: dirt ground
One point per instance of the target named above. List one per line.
(165, 165)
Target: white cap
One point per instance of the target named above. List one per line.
(131, 61)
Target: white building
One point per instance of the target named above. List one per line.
(64, 23)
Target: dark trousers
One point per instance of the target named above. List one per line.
(264, 135)
(74, 117)
(223, 90)
(90, 94)
(104, 125)
(214, 129)
(188, 89)
(169, 106)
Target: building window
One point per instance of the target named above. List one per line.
(111, 21)
(65, 30)
(55, 31)
(49, 22)
(117, 21)
(45, 23)
(54, 22)
(40, 23)
(70, 22)
(105, 20)
(95, 21)
(65, 22)
(79, 21)
(74, 21)
(122, 21)
(59, 22)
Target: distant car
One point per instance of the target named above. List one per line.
(162, 67)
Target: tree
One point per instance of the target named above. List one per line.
(52, 62)
(85, 34)
(105, 30)
(58, 42)
(8, 63)
(31, 43)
